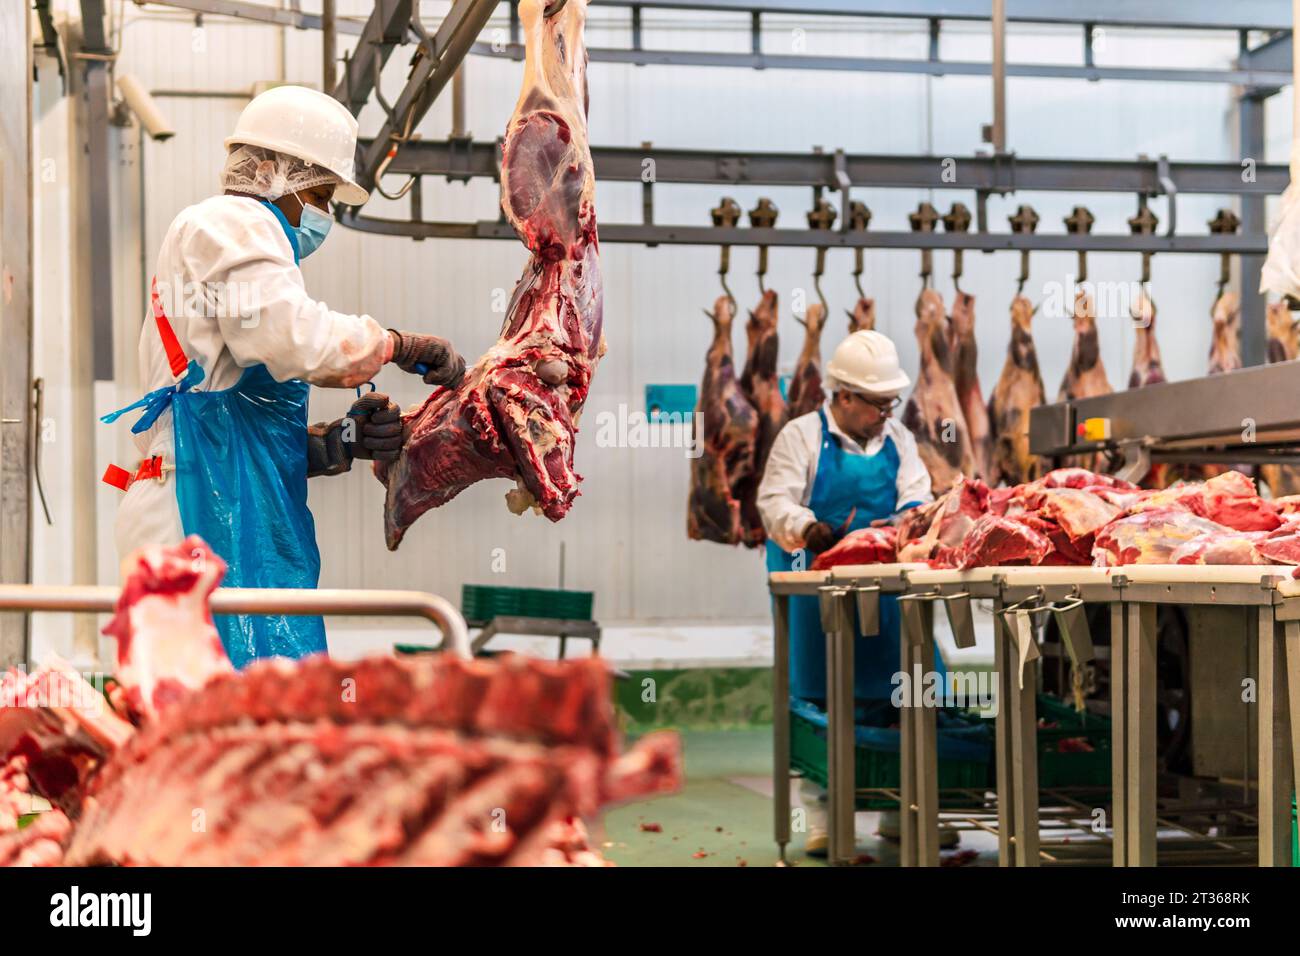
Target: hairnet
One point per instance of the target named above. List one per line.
(266, 173)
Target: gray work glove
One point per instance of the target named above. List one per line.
(372, 429)
(428, 356)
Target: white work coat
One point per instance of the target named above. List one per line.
(787, 483)
(235, 298)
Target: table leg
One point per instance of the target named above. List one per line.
(845, 763)
(1292, 645)
(1140, 718)
(1024, 756)
(909, 638)
(781, 719)
(1274, 745)
(1119, 733)
(1002, 750)
(925, 735)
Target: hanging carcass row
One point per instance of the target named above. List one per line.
(516, 412)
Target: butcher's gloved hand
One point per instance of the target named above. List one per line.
(818, 536)
(428, 356)
(377, 431)
(372, 429)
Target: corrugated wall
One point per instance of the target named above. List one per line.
(625, 538)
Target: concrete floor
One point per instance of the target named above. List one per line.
(723, 814)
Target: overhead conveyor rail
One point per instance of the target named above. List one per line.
(293, 601)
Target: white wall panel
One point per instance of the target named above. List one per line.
(625, 537)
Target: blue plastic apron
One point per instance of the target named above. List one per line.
(241, 484)
(842, 483)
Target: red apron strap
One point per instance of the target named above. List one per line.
(123, 479)
(117, 477)
(176, 359)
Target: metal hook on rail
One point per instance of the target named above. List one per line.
(821, 217)
(923, 220)
(859, 218)
(725, 216)
(1225, 222)
(1144, 224)
(1024, 222)
(957, 220)
(1079, 223)
(763, 216)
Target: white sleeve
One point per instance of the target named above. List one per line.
(913, 476)
(278, 324)
(783, 488)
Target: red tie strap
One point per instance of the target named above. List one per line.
(123, 479)
(176, 359)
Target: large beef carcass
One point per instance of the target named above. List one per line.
(966, 377)
(933, 413)
(863, 316)
(1019, 389)
(805, 393)
(762, 387)
(1283, 346)
(1225, 343)
(516, 412)
(726, 452)
(1085, 376)
(430, 760)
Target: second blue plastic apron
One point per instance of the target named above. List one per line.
(241, 484)
(842, 483)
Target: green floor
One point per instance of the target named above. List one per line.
(712, 814)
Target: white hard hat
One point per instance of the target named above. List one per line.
(867, 361)
(309, 125)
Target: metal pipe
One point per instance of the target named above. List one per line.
(293, 601)
(1295, 100)
(329, 45)
(458, 102)
(1000, 76)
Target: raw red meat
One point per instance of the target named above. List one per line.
(864, 546)
(997, 540)
(1083, 478)
(515, 413)
(1147, 367)
(1281, 546)
(805, 391)
(167, 645)
(430, 760)
(730, 426)
(955, 514)
(1085, 376)
(1218, 547)
(1079, 513)
(1287, 505)
(1228, 499)
(1150, 537)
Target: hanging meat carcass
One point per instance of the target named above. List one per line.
(516, 412)
(1019, 389)
(1225, 344)
(726, 447)
(1147, 367)
(1085, 376)
(805, 392)
(1283, 346)
(966, 377)
(762, 387)
(933, 412)
(863, 316)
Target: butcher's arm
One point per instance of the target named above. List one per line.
(781, 492)
(913, 476)
(276, 323)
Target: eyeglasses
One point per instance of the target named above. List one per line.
(882, 405)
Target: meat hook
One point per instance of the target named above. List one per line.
(859, 217)
(821, 217)
(554, 7)
(763, 216)
(725, 216)
(1144, 224)
(923, 220)
(1224, 222)
(1024, 221)
(957, 220)
(1079, 223)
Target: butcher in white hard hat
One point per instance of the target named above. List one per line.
(840, 468)
(228, 352)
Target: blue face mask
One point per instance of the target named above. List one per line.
(313, 226)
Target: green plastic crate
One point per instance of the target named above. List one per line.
(1295, 834)
(965, 753)
(1086, 769)
(481, 602)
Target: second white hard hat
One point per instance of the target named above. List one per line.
(308, 124)
(867, 361)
